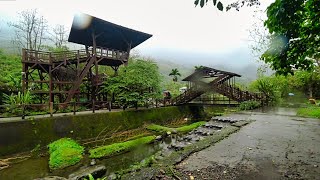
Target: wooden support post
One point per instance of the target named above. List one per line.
(23, 111)
(74, 108)
(78, 63)
(51, 108)
(128, 54)
(50, 86)
(93, 106)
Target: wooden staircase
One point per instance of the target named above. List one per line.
(220, 86)
(198, 90)
(76, 85)
(237, 94)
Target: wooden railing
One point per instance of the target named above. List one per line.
(237, 94)
(53, 57)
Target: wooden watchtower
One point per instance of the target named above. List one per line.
(62, 76)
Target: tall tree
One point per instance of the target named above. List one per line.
(30, 29)
(59, 36)
(259, 38)
(295, 39)
(175, 73)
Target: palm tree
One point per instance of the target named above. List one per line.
(198, 67)
(175, 73)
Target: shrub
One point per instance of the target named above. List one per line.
(248, 105)
(64, 152)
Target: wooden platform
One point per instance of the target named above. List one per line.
(108, 57)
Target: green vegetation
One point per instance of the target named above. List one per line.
(249, 105)
(183, 129)
(173, 87)
(312, 111)
(64, 152)
(294, 26)
(175, 73)
(220, 4)
(10, 74)
(135, 83)
(277, 87)
(117, 148)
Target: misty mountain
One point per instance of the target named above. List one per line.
(239, 61)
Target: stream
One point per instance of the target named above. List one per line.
(37, 167)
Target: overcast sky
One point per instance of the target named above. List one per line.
(179, 29)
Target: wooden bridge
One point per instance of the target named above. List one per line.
(206, 79)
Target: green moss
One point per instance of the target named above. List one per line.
(158, 128)
(190, 127)
(64, 152)
(117, 148)
(309, 112)
(64, 143)
(183, 129)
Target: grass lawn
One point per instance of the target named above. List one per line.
(312, 111)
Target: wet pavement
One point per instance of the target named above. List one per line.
(277, 145)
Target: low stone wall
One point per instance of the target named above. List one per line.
(21, 136)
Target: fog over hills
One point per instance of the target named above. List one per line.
(239, 61)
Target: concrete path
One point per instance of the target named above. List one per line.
(278, 145)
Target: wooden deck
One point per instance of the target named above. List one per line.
(105, 56)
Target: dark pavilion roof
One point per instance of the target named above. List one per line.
(207, 72)
(108, 35)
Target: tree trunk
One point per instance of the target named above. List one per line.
(310, 91)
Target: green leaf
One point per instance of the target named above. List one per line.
(91, 177)
(196, 2)
(201, 3)
(214, 2)
(220, 6)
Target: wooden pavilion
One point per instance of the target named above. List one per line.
(62, 76)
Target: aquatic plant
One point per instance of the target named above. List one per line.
(64, 152)
(117, 148)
